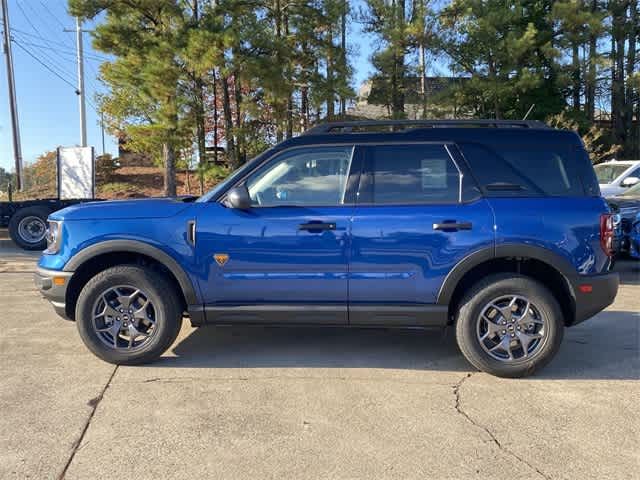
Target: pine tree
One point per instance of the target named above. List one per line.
(146, 100)
(506, 50)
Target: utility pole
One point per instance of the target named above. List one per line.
(102, 128)
(80, 90)
(17, 148)
(83, 109)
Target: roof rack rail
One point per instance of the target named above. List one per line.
(400, 125)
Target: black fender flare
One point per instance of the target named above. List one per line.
(507, 250)
(136, 246)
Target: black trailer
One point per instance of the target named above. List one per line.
(27, 220)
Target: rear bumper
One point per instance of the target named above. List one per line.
(52, 285)
(604, 289)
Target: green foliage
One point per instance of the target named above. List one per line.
(106, 166)
(507, 51)
(215, 173)
(6, 178)
(39, 179)
(252, 61)
(391, 23)
(251, 73)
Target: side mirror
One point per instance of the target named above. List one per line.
(630, 181)
(238, 197)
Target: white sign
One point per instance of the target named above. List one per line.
(76, 172)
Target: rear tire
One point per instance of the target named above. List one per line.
(128, 301)
(27, 228)
(529, 316)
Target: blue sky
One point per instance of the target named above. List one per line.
(48, 105)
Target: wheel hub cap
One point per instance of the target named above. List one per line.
(511, 328)
(124, 318)
(32, 229)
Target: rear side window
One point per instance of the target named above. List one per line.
(527, 170)
(409, 174)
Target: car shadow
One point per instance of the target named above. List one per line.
(605, 347)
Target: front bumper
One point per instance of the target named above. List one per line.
(603, 291)
(52, 285)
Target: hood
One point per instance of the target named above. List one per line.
(123, 209)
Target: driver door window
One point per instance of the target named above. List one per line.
(303, 177)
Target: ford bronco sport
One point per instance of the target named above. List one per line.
(495, 228)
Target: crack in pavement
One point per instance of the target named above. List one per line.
(494, 439)
(94, 402)
(181, 379)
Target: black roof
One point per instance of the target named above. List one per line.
(446, 131)
(404, 125)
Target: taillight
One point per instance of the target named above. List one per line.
(606, 234)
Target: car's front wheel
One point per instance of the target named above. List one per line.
(128, 315)
(509, 325)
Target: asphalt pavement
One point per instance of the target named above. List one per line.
(297, 403)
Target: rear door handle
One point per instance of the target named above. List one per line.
(317, 226)
(452, 226)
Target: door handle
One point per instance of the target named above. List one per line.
(452, 226)
(317, 226)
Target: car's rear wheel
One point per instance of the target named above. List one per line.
(509, 325)
(28, 228)
(128, 315)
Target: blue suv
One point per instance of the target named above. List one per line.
(494, 228)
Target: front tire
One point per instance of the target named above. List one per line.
(509, 325)
(128, 315)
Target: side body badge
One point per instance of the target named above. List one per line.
(221, 259)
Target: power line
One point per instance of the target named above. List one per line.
(32, 55)
(24, 14)
(37, 31)
(55, 17)
(40, 47)
(62, 52)
(58, 64)
(50, 69)
(63, 45)
(47, 24)
(96, 76)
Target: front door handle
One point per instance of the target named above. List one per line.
(452, 226)
(317, 226)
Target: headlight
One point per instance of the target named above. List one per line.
(54, 234)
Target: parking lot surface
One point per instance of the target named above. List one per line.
(311, 403)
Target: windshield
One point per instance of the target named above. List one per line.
(632, 192)
(607, 173)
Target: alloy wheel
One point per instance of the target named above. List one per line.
(124, 318)
(511, 328)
